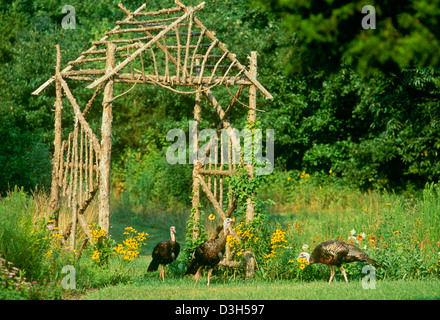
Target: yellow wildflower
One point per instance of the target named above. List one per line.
(95, 255)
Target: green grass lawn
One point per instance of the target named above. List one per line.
(149, 287)
(184, 289)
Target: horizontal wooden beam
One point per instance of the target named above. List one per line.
(156, 13)
(217, 172)
(96, 59)
(191, 46)
(152, 27)
(118, 49)
(144, 22)
(83, 72)
(149, 37)
(86, 75)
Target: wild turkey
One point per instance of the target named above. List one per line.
(209, 253)
(164, 253)
(335, 253)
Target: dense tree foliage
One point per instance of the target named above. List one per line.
(364, 103)
(327, 32)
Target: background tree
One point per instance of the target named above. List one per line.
(364, 99)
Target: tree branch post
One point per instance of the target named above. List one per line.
(197, 165)
(55, 187)
(252, 118)
(106, 143)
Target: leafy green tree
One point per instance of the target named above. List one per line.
(327, 33)
(359, 101)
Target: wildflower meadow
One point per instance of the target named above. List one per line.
(400, 231)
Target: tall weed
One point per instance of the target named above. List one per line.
(23, 239)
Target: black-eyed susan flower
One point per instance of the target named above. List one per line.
(95, 255)
(211, 217)
(130, 247)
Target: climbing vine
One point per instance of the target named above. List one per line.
(254, 234)
(190, 243)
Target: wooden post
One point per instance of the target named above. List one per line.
(106, 144)
(74, 185)
(55, 187)
(252, 117)
(197, 166)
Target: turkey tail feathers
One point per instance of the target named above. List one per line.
(371, 261)
(153, 266)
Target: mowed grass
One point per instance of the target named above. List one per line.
(147, 286)
(184, 289)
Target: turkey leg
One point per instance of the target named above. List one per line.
(332, 273)
(197, 275)
(343, 272)
(209, 275)
(162, 273)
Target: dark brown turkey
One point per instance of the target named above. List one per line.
(336, 253)
(209, 253)
(164, 253)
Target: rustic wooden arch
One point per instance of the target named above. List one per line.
(170, 48)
